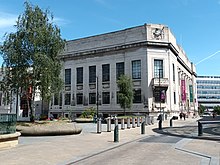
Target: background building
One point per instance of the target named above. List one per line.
(208, 91)
(163, 77)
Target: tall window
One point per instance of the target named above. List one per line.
(67, 98)
(136, 69)
(79, 98)
(120, 69)
(105, 72)
(79, 74)
(92, 74)
(67, 76)
(106, 97)
(56, 99)
(174, 97)
(92, 98)
(158, 68)
(173, 72)
(137, 96)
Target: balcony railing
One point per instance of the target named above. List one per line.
(162, 82)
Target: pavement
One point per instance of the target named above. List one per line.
(72, 149)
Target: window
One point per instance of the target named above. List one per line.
(92, 98)
(92, 74)
(173, 73)
(137, 96)
(120, 69)
(158, 68)
(174, 97)
(56, 99)
(61, 99)
(106, 97)
(67, 76)
(67, 98)
(105, 72)
(79, 74)
(159, 95)
(79, 98)
(136, 69)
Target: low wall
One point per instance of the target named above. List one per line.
(9, 140)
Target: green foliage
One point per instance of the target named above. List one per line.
(217, 110)
(201, 109)
(125, 94)
(30, 55)
(88, 113)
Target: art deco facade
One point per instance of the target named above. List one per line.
(163, 77)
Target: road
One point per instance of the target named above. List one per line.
(152, 150)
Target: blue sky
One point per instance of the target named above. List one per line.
(195, 23)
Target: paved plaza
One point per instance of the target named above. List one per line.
(180, 143)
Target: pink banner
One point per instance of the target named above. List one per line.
(183, 90)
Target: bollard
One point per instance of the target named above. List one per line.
(108, 124)
(200, 132)
(171, 122)
(143, 127)
(152, 120)
(133, 122)
(160, 124)
(138, 121)
(116, 134)
(99, 125)
(146, 120)
(122, 123)
(128, 123)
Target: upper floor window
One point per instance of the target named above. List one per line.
(120, 69)
(173, 72)
(79, 74)
(92, 74)
(67, 76)
(136, 69)
(158, 68)
(105, 72)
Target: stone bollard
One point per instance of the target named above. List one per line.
(108, 124)
(99, 125)
(152, 120)
(146, 120)
(128, 123)
(133, 122)
(143, 127)
(138, 121)
(122, 123)
(116, 134)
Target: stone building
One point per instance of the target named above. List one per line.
(163, 77)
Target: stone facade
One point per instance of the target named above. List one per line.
(163, 77)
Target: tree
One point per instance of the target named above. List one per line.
(30, 55)
(125, 94)
(201, 109)
(217, 110)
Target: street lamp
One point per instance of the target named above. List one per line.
(99, 124)
(160, 118)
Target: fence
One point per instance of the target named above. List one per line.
(7, 123)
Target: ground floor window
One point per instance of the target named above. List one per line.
(106, 97)
(137, 96)
(92, 98)
(79, 98)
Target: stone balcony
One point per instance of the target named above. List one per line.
(162, 82)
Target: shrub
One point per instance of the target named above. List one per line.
(88, 113)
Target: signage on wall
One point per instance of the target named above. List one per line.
(191, 93)
(183, 90)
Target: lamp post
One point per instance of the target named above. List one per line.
(160, 118)
(99, 124)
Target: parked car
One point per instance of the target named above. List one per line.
(206, 114)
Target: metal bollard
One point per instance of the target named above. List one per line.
(152, 120)
(116, 134)
(146, 120)
(128, 123)
(133, 122)
(122, 123)
(143, 127)
(160, 124)
(171, 122)
(108, 124)
(200, 131)
(99, 125)
(138, 121)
